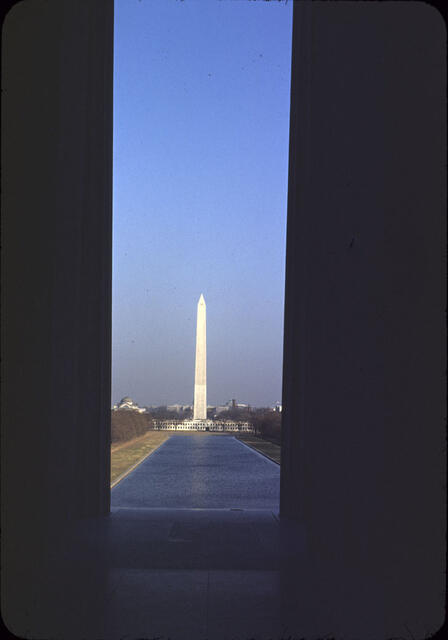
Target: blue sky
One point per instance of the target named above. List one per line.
(201, 126)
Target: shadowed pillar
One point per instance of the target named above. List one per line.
(200, 379)
(57, 81)
(363, 439)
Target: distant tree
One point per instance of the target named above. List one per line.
(267, 424)
(236, 413)
(127, 424)
(162, 413)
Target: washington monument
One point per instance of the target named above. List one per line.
(200, 378)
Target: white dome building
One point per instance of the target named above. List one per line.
(129, 404)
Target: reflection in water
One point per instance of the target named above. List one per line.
(204, 472)
(198, 477)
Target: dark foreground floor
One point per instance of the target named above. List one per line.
(201, 471)
(205, 574)
(231, 571)
(179, 574)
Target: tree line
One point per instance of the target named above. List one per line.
(126, 424)
(267, 423)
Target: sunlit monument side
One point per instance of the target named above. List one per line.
(200, 378)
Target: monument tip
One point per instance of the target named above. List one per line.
(201, 299)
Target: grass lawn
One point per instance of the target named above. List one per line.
(125, 455)
(269, 449)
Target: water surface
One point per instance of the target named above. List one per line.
(201, 471)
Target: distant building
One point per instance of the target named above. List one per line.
(221, 409)
(203, 425)
(277, 407)
(175, 407)
(179, 408)
(233, 404)
(129, 405)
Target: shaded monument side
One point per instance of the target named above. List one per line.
(200, 379)
(56, 280)
(363, 459)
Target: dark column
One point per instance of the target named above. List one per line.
(363, 457)
(56, 264)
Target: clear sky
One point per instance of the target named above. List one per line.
(201, 126)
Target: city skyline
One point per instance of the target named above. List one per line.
(201, 132)
(190, 405)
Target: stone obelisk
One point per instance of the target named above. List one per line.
(200, 378)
